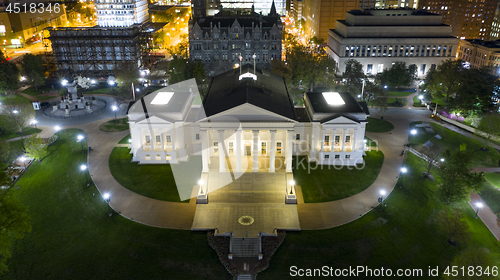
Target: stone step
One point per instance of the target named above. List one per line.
(245, 277)
(245, 247)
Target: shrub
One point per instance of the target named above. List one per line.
(452, 117)
(460, 119)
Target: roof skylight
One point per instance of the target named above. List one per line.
(162, 98)
(333, 98)
(248, 75)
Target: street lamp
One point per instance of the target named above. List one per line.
(23, 159)
(479, 205)
(80, 138)
(34, 122)
(292, 183)
(420, 97)
(114, 108)
(381, 198)
(57, 128)
(442, 160)
(83, 167)
(413, 132)
(15, 112)
(200, 183)
(403, 171)
(107, 198)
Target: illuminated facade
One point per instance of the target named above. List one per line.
(259, 6)
(121, 13)
(478, 53)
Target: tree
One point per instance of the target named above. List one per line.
(126, 73)
(20, 116)
(180, 50)
(178, 70)
(353, 76)
(399, 75)
(83, 82)
(447, 79)
(375, 95)
(33, 69)
(490, 124)
(9, 75)
(475, 94)
(452, 223)
(432, 155)
(14, 223)
(35, 147)
(457, 180)
(279, 67)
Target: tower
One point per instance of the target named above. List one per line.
(199, 8)
(117, 13)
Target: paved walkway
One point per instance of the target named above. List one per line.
(486, 214)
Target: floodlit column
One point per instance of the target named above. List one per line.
(161, 140)
(238, 150)
(344, 134)
(322, 140)
(222, 158)
(354, 141)
(272, 156)
(172, 139)
(255, 152)
(289, 151)
(204, 150)
(313, 137)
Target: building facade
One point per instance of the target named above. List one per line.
(121, 13)
(478, 53)
(377, 38)
(468, 19)
(246, 122)
(219, 41)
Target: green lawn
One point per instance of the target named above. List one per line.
(396, 102)
(378, 125)
(491, 191)
(14, 149)
(453, 140)
(114, 126)
(439, 100)
(151, 180)
(403, 234)
(416, 101)
(103, 90)
(398, 93)
(125, 140)
(13, 99)
(33, 92)
(325, 183)
(73, 237)
(370, 142)
(11, 131)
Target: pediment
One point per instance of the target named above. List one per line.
(248, 112)
(340, 119)
(154, 120)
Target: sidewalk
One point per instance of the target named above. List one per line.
(487, 216)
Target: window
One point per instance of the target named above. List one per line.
(216, 148)
(169, 140)
(347, 156)
(231, 148)
(327, 140)
(422, 69)
(337, 156)
(369, 68)
(278, 148)
(148, 140)
(197, 136)
(337, 140)
(380, 68)
(348, 140)
(327, 156)
(263, 148)
(297, 136)
(158, 140)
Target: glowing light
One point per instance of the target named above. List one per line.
(333, 98)
(413, 132)
(404, 169)
(382, 192)
(162, 98)
(292, 183)
(479, 205)
(201, 182)
(106, 196)
(248, 75)
(64, 82)
(83, 167)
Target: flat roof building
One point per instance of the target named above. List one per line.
(377, 38)
(479, 53)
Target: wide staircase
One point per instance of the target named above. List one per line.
(245, 277)
(245, 247)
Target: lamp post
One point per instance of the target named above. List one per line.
(23, 159)
(442, 160)
(57, 128)
(34, 122)
(479, 205)
(83, 168)
(15, 112)
(403, 171)
(381, 198)
(413, 132)
(254, 56)
(292, 183)
(114, 108)
(107, 198)
(80, 138)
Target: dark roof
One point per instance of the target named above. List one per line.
(488, 44)
(365, 107)
(301, 113)
(246, 21)
(319, 104)
(268, 92)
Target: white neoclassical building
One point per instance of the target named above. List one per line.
(246, 122)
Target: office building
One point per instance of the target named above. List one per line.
(479, 53)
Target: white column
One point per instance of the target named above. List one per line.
(204, 150)
(322, 140)
(272, 151)
(313, 137)
(255, 152)
(173, 154)
(354, 141)
(180, 136)
(289, 150)
(238, 150)
(343, 139)
(222, 158)
(161, 140)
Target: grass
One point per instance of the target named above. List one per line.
(152, 180)
(103, 90)
(378, 125)
(12, 132)
(325, 183)
(416, 101)
(13, 99)
(114, 126)
(73, 237)
(13, 150)
(125, 140)
(399, 93)
(452, 140)
(403, 234)
(440, 101)
(370, 142)
(491, 191)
